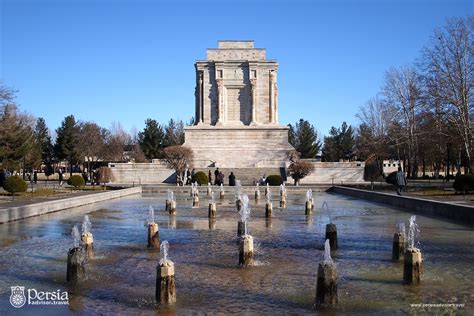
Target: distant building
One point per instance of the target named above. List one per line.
(390, 166)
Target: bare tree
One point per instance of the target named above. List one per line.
(178, 158)
(300, 169)
(448, 64)
(402, 95)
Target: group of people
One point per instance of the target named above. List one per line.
(189, 177)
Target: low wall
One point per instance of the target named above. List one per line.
(335, 172)
(456, 212)
(21, 212)
(141, 173)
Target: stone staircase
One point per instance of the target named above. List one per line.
(247, 176)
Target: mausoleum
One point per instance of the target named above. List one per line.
(236, 118)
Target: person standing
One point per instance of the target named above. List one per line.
(60, 171)
(401, 181)
(209, 174)
(231, 179)
(216, 177)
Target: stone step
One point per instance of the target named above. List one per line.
(247, 176)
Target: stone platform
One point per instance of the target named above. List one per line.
(238, 146)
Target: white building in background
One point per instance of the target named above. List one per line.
(390, 166)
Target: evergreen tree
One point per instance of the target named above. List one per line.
(66, 141)
(339, 144)
(174, 133)
(16, 137)
(43, 141)
(151, 139)
(304, 138)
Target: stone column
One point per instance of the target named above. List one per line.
(76, 260)
(220, 102)
(412, 266)
(165, 284)
(275, 103)
(200, 99)
(272, 97)
(253, 85)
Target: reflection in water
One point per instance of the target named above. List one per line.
(122, 276)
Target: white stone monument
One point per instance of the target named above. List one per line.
(236, 119)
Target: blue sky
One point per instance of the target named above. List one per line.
(128, 60)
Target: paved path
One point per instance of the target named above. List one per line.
(8, 203)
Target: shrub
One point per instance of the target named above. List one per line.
(201, 178)
(274, 179)
(76, 181)
(372, 171)
(15, 184)
(464, 183)
(392, 178)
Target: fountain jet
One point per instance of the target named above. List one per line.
(87, 238)
(153, 232)
(165, 283)
(398, 246)
(76, 260)
(212, 207)
(412, 263)
(268, 205)
(246, 241)
(282, 196)
(326, 286)
(309, 202)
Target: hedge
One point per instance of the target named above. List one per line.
(76, 181)
(15, 184)
(201, 178)
(274, 179)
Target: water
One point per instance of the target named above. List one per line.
(86, 225)
(122, 277)
(75, 235)
(151, 215)
(325, 208)
(413, 232)
(269, 195)
(164, 247)
(327, 253)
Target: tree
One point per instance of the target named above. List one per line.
(304, 138)
(16, 134)
(402, 93)
(116, 140)
(44, 143)
(178, 158)
(174, 133)
(66, 141)
(339, 144)
(300, 169)
(151, 139)
(448, 67)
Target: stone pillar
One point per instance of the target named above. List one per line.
(412, 267)
(275, 103)
(153, 236)
(200, 111)
(172, 208)
(196, 201)
(76, 261)
(257, 195)
(165, 285)
(283, 201)
(222, 107)
(212, 210)
(240, 228)
(268, 209)
(238, 204)
(209, 191)
(308, 207)
(221, 195)
(331, 234)
(167, 206)
(253, 85)
(246, 250)
(87, 240)
(398, 247)
(326, 286)
(272, 97)
(212, 223)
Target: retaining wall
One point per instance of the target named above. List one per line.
(25, 211)
(452, 211)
